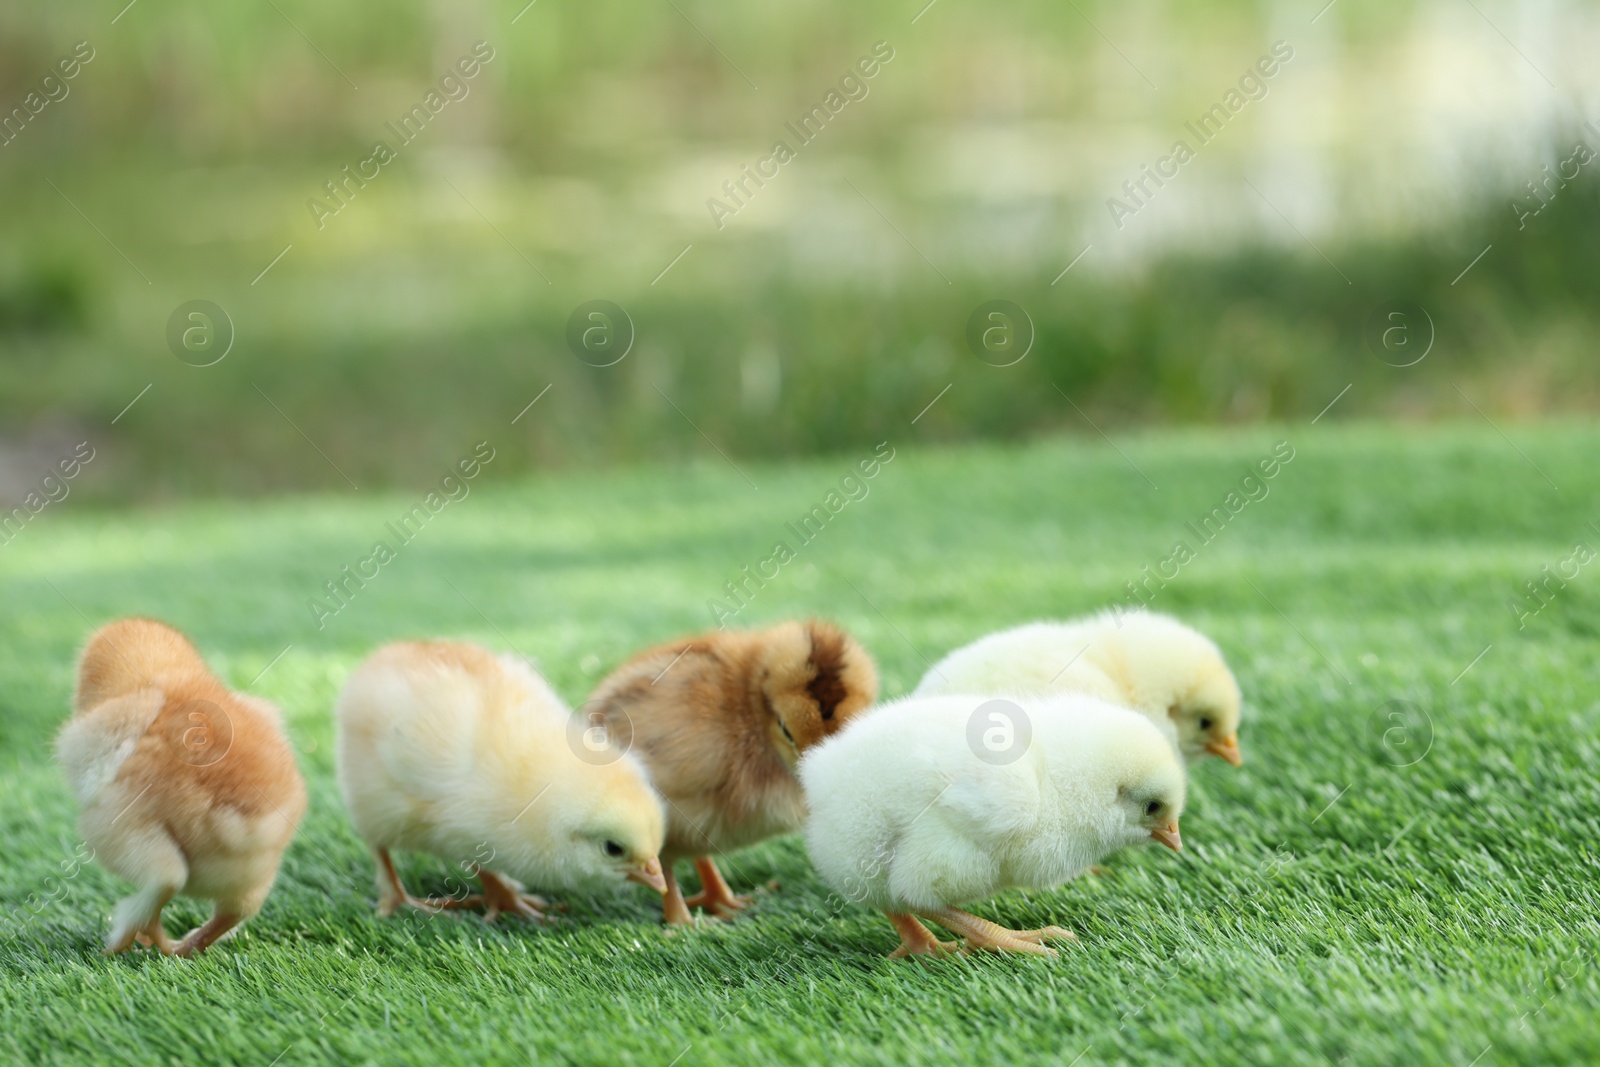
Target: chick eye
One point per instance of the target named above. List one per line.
(1152, 807)
(614, 849)
(1205, 722)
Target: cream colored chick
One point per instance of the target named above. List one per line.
(720, 720)
(1149, 662)
(915, 811)
(448, 749)
(185, 787)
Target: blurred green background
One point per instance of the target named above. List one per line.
(1392, 149)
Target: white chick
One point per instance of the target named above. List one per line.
(448, 749)
(914, 811)
(1149, 662)
(185, 787)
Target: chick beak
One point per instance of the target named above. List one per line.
(789, 751)
(1168, 835)
(648, 873)
(1227, 748)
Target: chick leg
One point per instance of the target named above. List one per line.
(226, 916)
(501, 894)
(155, 936)
(673, 908)
(483, 900)
(150, 859)
(201, 938)
(981, 933)
(135, 914)
(391, 891)
(715, 895)
(916, 939)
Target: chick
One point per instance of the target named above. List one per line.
(448, 749)
(908, 816)
(185, 787)
(721, 720)
(1151, 663)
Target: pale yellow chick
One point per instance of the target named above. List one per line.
(448, 749)
(1152, 663)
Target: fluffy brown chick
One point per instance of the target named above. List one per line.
(185, 787)
(721, 720)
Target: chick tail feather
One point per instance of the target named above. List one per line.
(129, 655)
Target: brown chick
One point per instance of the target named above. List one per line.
(185, 787)
(720, 720)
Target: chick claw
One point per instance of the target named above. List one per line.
(500, 895)
(918, 940)
(715, 895)
(155, 936)
(980, 933)
(722, 907)
(1045, 933)
(204, 936)
(431, 905)
(392, 893)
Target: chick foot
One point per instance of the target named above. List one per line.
(917, 940)
(503, 896)
(202, 937)
(392, 893)
(982, 934)
(481, 900)
(155, 936)
(715, 895)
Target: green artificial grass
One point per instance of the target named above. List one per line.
(1366, 889)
